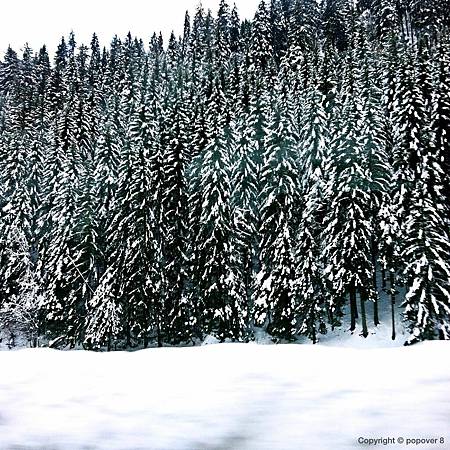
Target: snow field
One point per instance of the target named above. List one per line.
(227, 396)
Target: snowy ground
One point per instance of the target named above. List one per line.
(230, 396)
(227, 396)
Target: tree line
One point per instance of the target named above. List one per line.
(272, 173)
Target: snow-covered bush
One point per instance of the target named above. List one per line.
(19, 314)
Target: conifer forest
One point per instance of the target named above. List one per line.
(277, 173)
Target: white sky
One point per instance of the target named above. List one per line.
(41, 22)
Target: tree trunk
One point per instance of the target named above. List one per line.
(128, 328)
(376, 318)
(128, 335)
(383, 278)
(158, 330)
(392, 286)
(331, 318)
(353, 307)
(146, 339)
(363, 297)
(248, 268)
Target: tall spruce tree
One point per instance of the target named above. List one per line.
(215, 275)
(314, 147)
(275, 302)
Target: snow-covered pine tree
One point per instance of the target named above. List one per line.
(336, 21)
(103, 320)
(135, 249)
(426, 19)
(20, 168)
(245, 205)
(440, 110)
(409, 117)
(375, 145)
(105, 178)
(261, 49)
(198, 44)
(390, 236)
(222, 45)
(235, 31)
(9, 73)
(179, 315)
(348, 230)
(279, 22)
(186, 42)
(426, 254)
(69, 252)
(311, 289)
(275, 300)
(216, 280)
(86, 265)
(304, 25)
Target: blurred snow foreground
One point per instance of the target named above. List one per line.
(226, 396)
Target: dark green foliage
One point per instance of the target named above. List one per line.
(248, 173)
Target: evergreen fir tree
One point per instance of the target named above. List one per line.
(348, 229)
(218, 288)
(314, 153)
(275, 301)
(427, 246)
